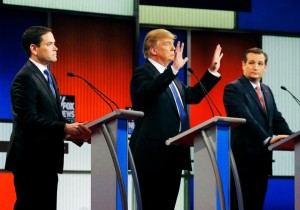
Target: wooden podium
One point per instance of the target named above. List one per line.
(109, 161)
(292, 143)
(212, 155)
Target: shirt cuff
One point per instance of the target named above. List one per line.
(216, 74)
(267, 141)
(174, 71)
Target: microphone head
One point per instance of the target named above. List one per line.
(283, 88)
(70, 74)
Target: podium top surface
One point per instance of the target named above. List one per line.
(117, 114)
(187, 137)
(287, 143)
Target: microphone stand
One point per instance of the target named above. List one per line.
(205, 93)
(295, 98)
(97, 91)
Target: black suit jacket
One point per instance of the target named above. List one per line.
(36, 141)
(151, 94)
(247, 140)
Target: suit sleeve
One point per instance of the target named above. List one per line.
(195, 94)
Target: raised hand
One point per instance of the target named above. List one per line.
(178, 60)
(216, 60)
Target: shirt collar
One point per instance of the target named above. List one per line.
(158, 66)
(41, 67)
(254, 85)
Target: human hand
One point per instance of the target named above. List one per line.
(178, 61)
(277, 138)
(77, 132)
(216, 60)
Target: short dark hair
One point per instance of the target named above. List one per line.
(33, 35)
(255, 50)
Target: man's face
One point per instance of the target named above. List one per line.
(46, 53)
(164, 51)
(255, 67)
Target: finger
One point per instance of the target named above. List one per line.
(82, 127)
(182, 47)
(221, 56)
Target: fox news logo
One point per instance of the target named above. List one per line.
(68, 107)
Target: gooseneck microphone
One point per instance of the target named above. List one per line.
(296, 99)
(207, 97)
(97, 91)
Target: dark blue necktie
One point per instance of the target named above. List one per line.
(182, 113)
(50, 82)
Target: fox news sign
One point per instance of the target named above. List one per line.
(68, 107)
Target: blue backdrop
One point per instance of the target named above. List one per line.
(13, 23)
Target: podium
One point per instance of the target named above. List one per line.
(291, 143)
(212, 156)
(109, 161)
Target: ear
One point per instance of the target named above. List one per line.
(153, 51)
(243, 64)
(33, 49)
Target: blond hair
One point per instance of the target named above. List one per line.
(153, 37)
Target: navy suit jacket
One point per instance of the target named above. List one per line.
(150, 93)
(247, 140)
(36, 141)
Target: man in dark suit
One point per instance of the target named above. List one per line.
(159, 167)
(247, 97)
(36, 150)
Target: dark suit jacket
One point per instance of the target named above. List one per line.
(38, 125)
(151, 94)
(240, 100)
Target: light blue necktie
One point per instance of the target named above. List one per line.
(50, 82)
(182, 113)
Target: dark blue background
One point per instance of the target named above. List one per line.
(272, 16)
(12, 56)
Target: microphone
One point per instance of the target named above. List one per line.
(296, 99)
(97, 91)
(207, 97)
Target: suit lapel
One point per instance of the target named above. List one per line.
(44, 83)
(253, 93)
(172, 99)
(267, 98)
(168, 91)
(55, 87)
(180, 89)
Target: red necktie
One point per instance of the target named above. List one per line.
(260, 96)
